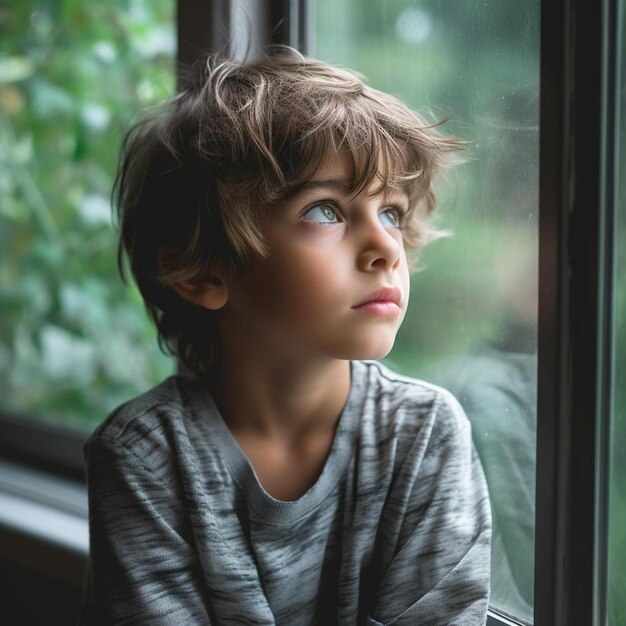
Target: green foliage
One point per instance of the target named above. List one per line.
(74, 342)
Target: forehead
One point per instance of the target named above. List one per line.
(338, 170)
(339, 164)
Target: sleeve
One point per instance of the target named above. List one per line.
(440, 531)
(143, 568)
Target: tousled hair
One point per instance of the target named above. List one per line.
(197, 175)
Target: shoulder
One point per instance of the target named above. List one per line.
(397, 397)
(147, 423)
(412, 432)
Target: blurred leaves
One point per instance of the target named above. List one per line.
(14, 69)
(74, 342)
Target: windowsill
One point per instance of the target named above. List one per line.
(43, 522)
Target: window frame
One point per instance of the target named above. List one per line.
(576, 251)
(50, 448)
(577, 208)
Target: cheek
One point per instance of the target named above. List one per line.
(306, 282)
(295, 284)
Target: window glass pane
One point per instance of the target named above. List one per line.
(74, 342)
(472, 323)
(617, 516)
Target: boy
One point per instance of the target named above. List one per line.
(265, 215)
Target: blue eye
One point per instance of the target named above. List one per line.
(391, 217)
(322, 214)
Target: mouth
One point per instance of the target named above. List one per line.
(384, 301)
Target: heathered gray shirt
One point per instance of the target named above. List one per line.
(396, 529)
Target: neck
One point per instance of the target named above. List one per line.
(279, 398)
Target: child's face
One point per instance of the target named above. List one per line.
(329, 253)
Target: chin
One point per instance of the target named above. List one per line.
(375, 351)
(376, 356)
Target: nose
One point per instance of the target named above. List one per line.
(380, 249)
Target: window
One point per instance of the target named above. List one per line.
(495, 69)
(472, 319)
(74, 342)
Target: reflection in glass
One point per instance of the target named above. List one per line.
(73, 343)
(472, 322)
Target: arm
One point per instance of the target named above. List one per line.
(439, 532)
(143, 566)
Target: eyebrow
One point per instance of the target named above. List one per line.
(336, 184)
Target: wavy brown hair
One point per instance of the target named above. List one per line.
(197, 175)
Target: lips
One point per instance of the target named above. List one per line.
(390, 295)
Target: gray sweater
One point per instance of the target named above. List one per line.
(396, 530)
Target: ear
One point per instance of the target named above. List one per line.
(212, 293)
